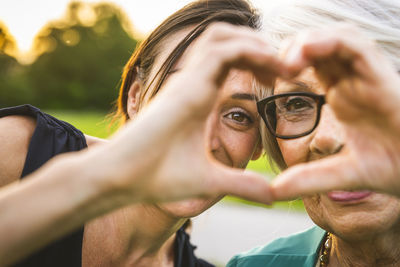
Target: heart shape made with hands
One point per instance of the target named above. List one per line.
(362, 94)
(362, 89)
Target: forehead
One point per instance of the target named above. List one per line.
(237, 82)
(305, 81)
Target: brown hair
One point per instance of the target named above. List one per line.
(200, 14)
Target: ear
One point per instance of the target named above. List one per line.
(132, 104)
(258, 150)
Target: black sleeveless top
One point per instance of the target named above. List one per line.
(50, 138)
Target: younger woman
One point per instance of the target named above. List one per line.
(170, 136)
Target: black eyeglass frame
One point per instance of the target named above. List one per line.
(319, 99)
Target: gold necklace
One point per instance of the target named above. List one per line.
(326, 249)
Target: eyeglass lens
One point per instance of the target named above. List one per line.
(292, 115)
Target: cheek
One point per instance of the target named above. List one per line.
(240, 146)
(295, 151)
(315, 210)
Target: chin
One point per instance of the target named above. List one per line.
(355, 221)
(361, 228)
(188, 208)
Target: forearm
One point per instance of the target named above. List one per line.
(72, 189)
(51, 202)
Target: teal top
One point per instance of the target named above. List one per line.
(299, 250)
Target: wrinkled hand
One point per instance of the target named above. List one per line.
(363, 89)
(161, 155)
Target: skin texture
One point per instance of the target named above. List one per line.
(15, 143)
(354, 145)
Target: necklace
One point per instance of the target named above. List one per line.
(326, 249)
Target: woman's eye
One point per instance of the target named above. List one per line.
(239, 117)
(297, 104)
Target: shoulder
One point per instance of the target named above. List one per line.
(16, 130)
(295, 250)
(15, 134)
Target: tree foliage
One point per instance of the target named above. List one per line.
(11, 83)
(79, 65)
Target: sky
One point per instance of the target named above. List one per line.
(24, 18)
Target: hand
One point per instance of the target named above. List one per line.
(161, 155)
(362, 88)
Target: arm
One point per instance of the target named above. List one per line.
(15, 135)
(49, 203)
(31, 208)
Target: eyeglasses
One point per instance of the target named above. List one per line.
(291, 115)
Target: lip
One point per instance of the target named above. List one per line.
(349, 196)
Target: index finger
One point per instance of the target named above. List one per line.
(319, 176)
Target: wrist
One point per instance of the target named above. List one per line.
(77, 184)
(108, 177)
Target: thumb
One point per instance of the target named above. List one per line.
(324, 175)
(244, 184)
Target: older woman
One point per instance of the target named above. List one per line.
(340, 111)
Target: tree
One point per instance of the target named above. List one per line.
(80, 59)
(13, 88)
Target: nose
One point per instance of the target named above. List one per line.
(213, 140)
(328, 136)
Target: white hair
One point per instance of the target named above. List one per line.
(379, 20)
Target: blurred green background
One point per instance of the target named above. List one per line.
(75, 71)
(78, 61)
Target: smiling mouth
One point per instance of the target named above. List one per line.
(349, 196)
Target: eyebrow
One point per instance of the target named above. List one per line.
(301, 85)
(243, 96)
(295, 86)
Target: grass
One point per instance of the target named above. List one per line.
(262, 166)
(94, 123)
(294, 205)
